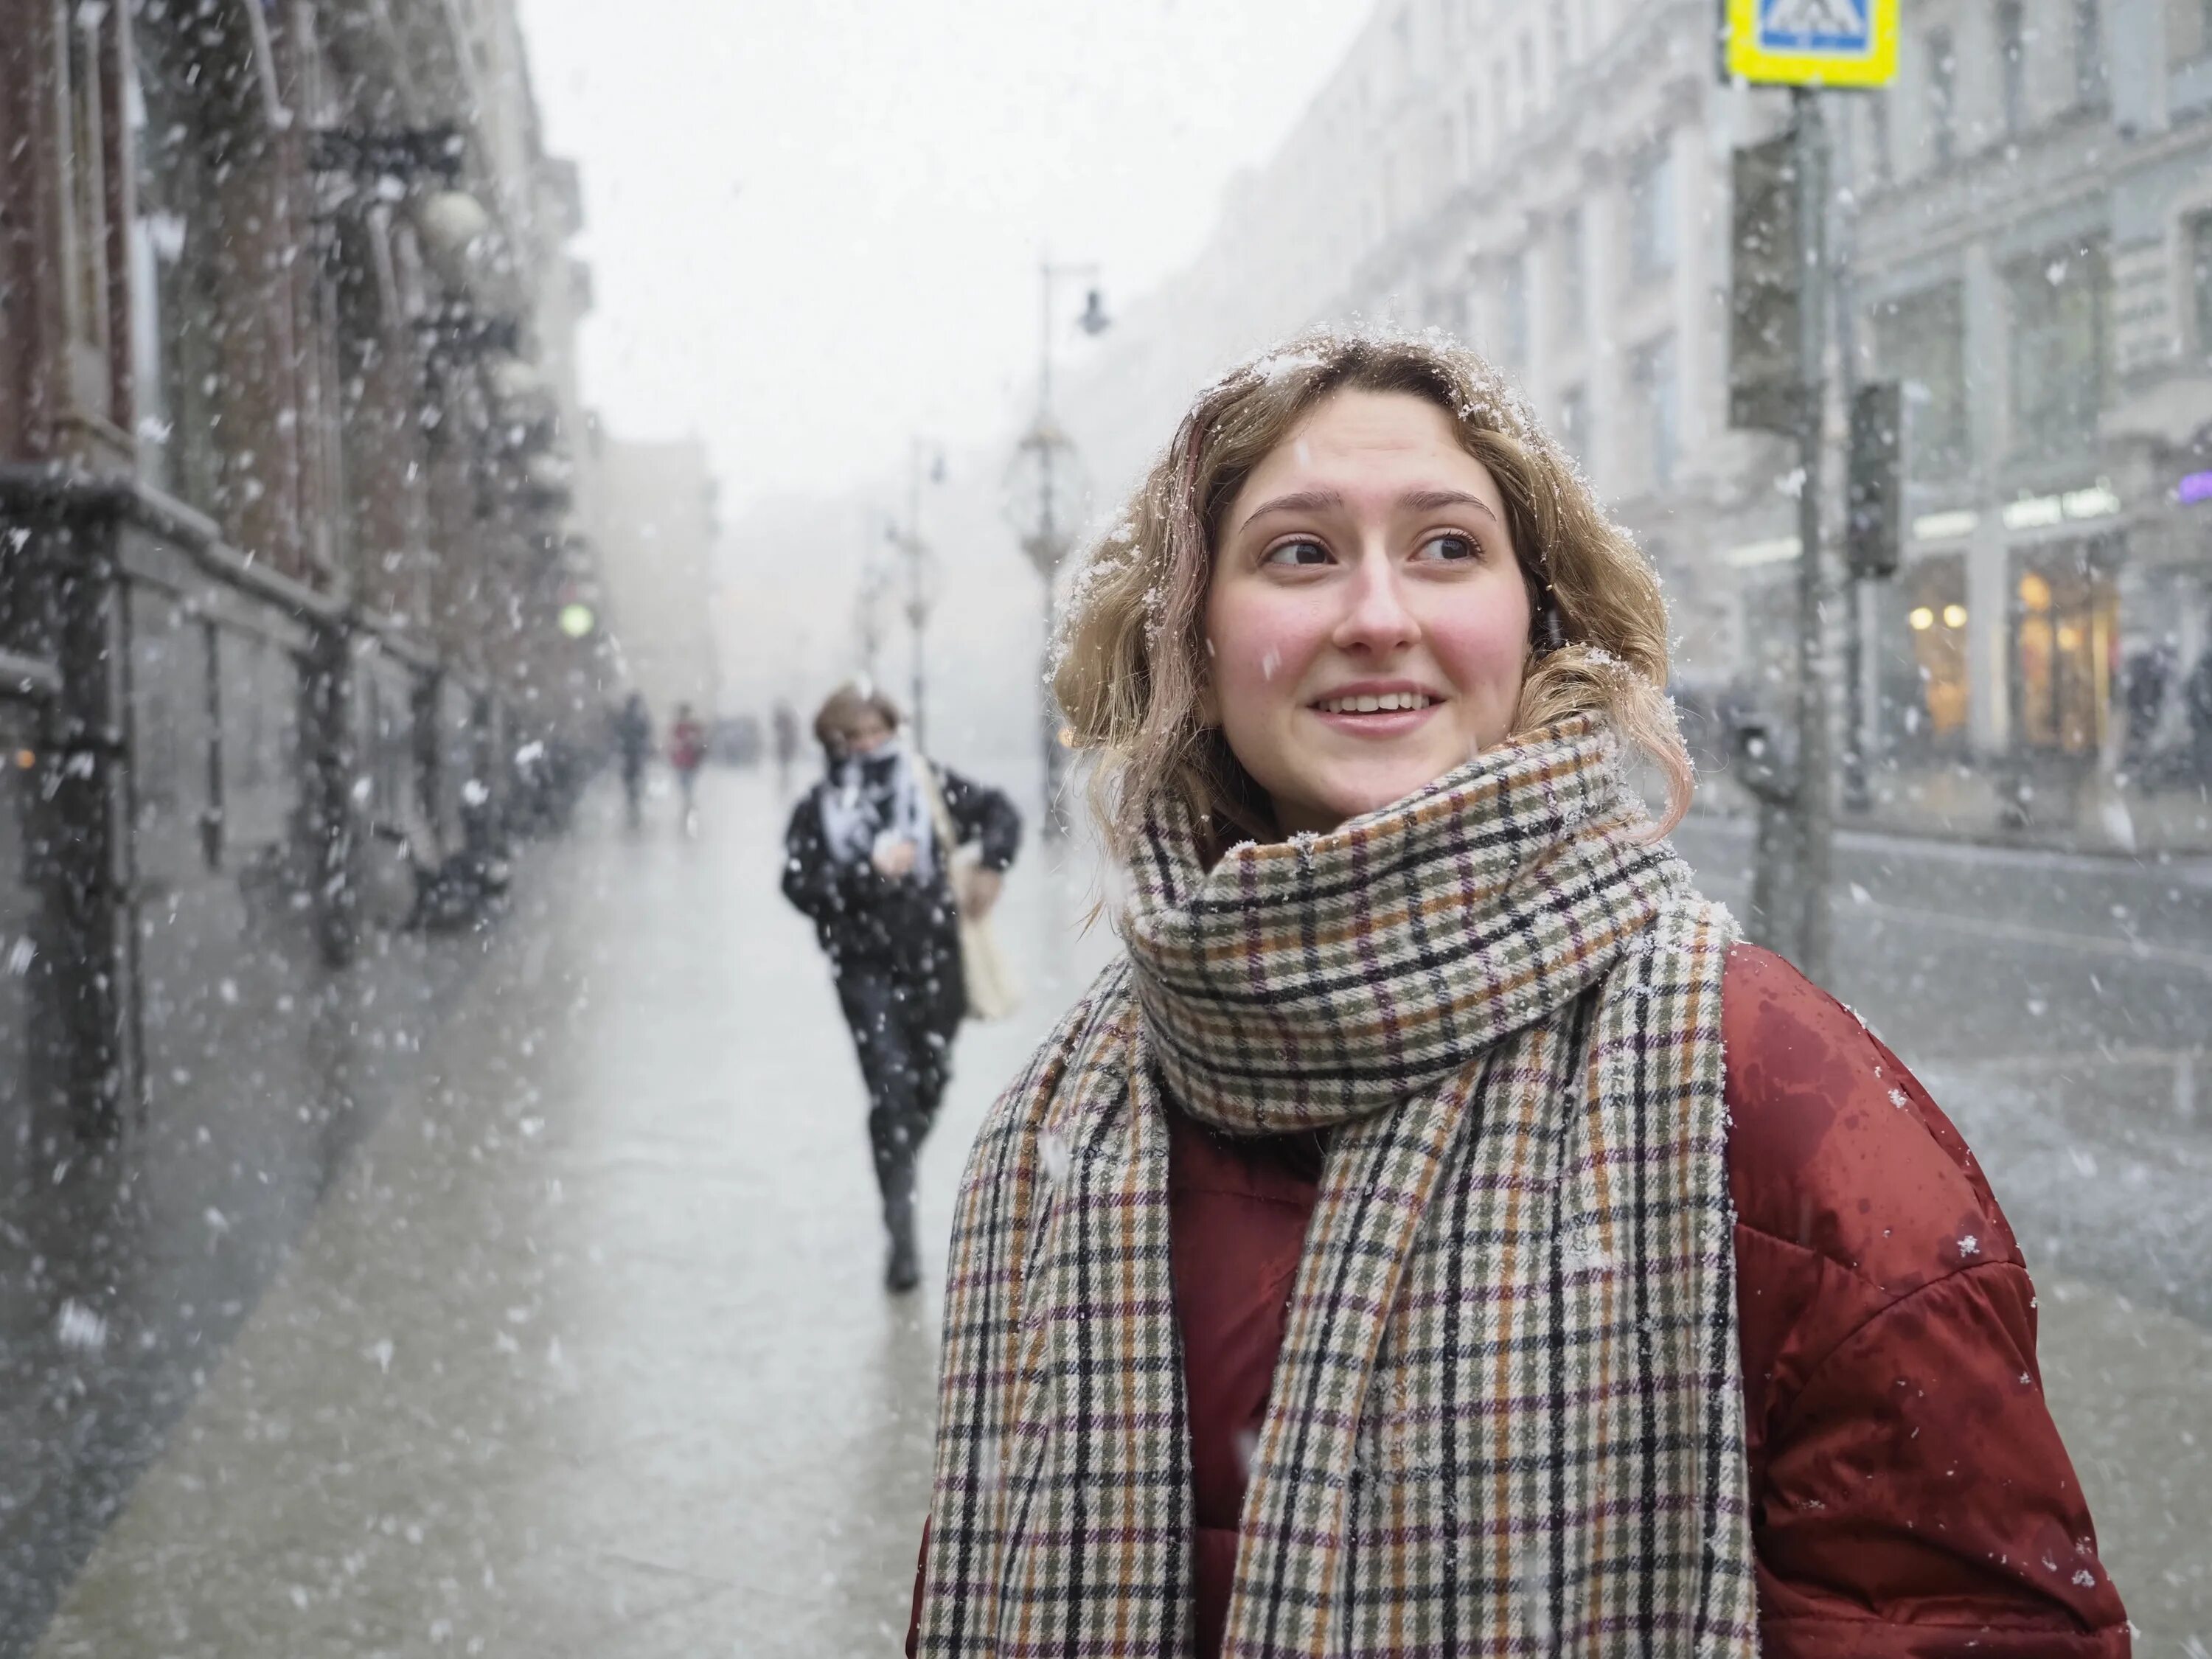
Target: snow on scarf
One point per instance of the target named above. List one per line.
(1507, 1415)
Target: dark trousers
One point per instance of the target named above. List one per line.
(904, 1038)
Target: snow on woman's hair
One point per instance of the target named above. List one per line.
(1131, 658)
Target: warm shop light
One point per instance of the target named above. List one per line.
(2034, 592)
(1954, 616)
(25, 760)
(1922, 618)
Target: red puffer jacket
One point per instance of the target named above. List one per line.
(1910, 1498)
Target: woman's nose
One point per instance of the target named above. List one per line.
(1376, 618)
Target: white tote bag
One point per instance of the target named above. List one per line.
(990, 982)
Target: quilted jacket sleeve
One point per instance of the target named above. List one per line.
(1909, 1492)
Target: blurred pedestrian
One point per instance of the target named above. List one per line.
(687, 753)
(1437, 1233)
(2197, 696)
(865, 858)
(2144, 679)
(633, 740)
(786, 721)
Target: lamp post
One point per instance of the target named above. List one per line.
(1043, 500)
(921, 594)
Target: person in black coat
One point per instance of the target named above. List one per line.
(862, 860)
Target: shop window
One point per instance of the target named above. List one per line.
(2060, 353)
(2065, 650)
(1921, 340)
(1924, 686)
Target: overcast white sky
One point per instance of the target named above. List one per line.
(814, 226)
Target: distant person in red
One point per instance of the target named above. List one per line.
(687, 752)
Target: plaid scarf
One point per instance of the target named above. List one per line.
(1506, 1416)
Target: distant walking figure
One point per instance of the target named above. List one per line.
(687, 753)
(634, 738)
(864, 862)
(786, 721)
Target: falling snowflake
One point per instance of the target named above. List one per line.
(1969, 1245)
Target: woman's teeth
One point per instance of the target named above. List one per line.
(1382, 703)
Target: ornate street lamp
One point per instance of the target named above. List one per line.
(1045, 493)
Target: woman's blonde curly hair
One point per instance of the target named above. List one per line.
(1132, 652)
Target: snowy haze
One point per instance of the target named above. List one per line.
(815, 229)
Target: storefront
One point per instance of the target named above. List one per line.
(2065, 645)
(1925, 699)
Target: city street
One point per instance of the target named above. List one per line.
(583, 1350)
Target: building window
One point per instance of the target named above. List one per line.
(1472, 129)
(1651, 212)
(1574, 302)
(1942, 109)
(2088, 51)
(1501, 101)
(1513, 313)
(2061, 356)
(1562, 46)
(2188, 30)
(1575, 423)
(1652, 373)
(1528, 83)
(1878, 138)
(2012, 65)
(1920, 342)
(2200, 278)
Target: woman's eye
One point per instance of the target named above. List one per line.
(1300, 553)
(1451, 548)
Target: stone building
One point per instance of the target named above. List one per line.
(2027, 216)
(289, 505)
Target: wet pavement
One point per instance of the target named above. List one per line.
(583, 1350)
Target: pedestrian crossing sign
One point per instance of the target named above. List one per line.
(1813, 43)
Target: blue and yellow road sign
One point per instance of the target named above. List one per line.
(1813, 43)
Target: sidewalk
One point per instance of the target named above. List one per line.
(584, 1354)
(1973, 804)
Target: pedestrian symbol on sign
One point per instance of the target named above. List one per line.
(1815, 25)
(1813, 43)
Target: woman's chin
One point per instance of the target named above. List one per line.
(1337, 799)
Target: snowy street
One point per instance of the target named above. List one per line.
(583, 1352)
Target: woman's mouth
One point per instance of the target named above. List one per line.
(1377, 714)
(1385, 702)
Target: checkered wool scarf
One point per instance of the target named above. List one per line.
(1506, 1416)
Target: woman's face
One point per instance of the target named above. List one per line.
(1368, 623)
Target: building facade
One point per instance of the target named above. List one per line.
(2024, 221)
(290, 509)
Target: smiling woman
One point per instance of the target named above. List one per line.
(1439, 1234)
(1343, 503)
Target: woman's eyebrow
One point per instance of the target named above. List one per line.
(1298, 500)
(1426, 501)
